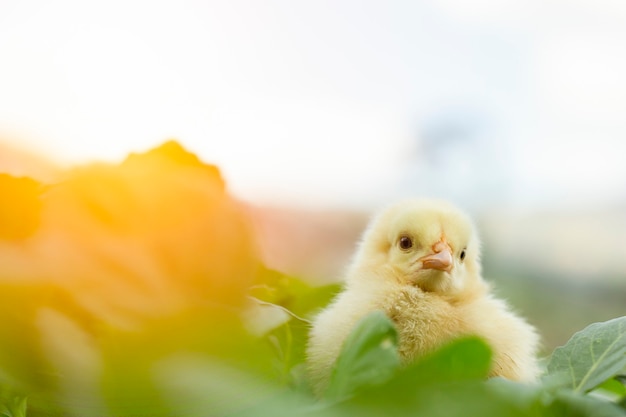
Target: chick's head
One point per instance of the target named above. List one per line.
(426, 243)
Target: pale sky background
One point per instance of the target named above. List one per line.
(341, 103)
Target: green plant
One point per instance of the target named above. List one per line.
(12, 404)
(585, 377)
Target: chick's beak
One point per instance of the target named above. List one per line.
(440, 260)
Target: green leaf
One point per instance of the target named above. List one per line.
(369, 357)
(571, 404)
(296, 295)
(463, 359)
(288, 342)
(466, 359)
(611, 388)
(198, 386)
(535, 400)
(590, 357)
(283, 305)
(526, 396)
(448, 382)
(13, 407)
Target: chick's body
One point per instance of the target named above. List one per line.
(419, 263)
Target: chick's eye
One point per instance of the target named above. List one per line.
(462, 255)
(405, 243)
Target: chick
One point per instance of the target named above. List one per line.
(419, 262)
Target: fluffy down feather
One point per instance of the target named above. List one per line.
(419, 262)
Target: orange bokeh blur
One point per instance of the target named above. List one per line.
(111, 250)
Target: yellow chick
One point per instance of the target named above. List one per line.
(419, 262)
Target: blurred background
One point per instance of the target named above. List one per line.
(319, 113)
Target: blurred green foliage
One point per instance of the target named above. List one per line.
(263, 374)
(369, 358)
(12, 404)
(557, 305)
